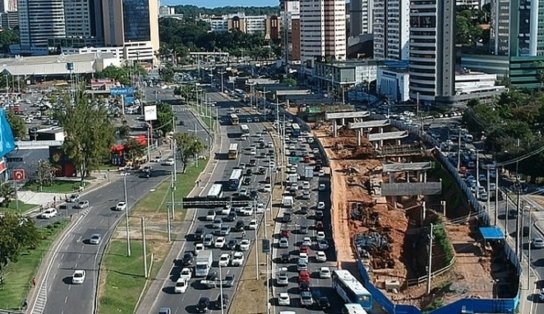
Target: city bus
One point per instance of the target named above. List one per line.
(295, 130)
(350, 289)
(244, 128)
(216, 191)
(353, 308)
(235, 180)
(233, 151)
(234, 120)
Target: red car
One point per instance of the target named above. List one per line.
(319, 226)
(304, 277)
(285, 233)
(304, 249)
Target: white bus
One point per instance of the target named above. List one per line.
(216, 191)
(233, 151)
(350, 289)
(235, 180)
(234, 120)
(244, 128)
(353, 308)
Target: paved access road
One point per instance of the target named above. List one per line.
(58, 294)
(183, 303)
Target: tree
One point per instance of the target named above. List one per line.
(89, 132)
(164, 118)
(45, 174)
(133, 149)
(188, 145)
(123, 130)
(7, 192)
(167, 73)
(17, 124)
(7, 38)
(17, 233)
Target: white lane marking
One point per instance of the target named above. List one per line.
(66, 300)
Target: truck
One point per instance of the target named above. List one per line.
(203, 263)
(308, 172)
(287, 201)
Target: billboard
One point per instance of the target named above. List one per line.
(121, 91)
(150, 113)
(7, 142)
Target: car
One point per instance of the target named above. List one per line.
(219, 242)
(321, 205)
(210, 216)
(249, 171)
(282, 279)
(323, 303)
(323, 245)
(304, 277)
(267, 187)
(244, 245)
(212, 275)
(303, 210)
(208, 284)
(306, 241)
(321, 173)
(318, 215)
(283, 243)
(252, 224)
(168, 162)
(224, 259)
(222, 302)
(121, 206)
(208, 239)
(82, 204)
(320, 235)
(203, 304)
(165, 310)
(325, 272)
(237, 259)
(74, 198)
(537, 243)
(199, 232)
(321, 187)
(228, 282)
(303, 229)
(226, 210)
(260, 208)
(217, 223)
(181, 285)
(48, 213)
(224, 231)
(304, 249)
(285, 257)
(286, 217)
(247, 181)
(95, 239)
(243, 192)
(186, 274)
(302, 265)
(283, 299)
(78, 277)
(199, 247)
(246, 211)
(320, 256)
(231, 216)
(306, 298)
(303, 256)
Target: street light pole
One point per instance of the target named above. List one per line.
(129, 253)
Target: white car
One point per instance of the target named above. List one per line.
(321, 173)
(260, 208)
(224, 259)
(244, 245)
(226, 210)
(284, 243)
(95, 239)
(321, 205)
(49, 213)
(181, 285)
(237, 259)
(82, 204)
(211, 215)
(267, 187)
(186, 274)
(320, 235)
(168, 162)
(199, 247)
(252, 224)
(321, 187)
(323, 244)
(78, 277)
(282, 279)
(246, 211)
(307, 241)
(320, 256)
(325, 272)
(283, 299)
(121, 206)
(219, 242)
(304, 257)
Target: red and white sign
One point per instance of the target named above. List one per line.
(3, 166)
(18, 174)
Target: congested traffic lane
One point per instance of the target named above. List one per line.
(305, 223)
(187, 301)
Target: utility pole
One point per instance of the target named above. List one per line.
(497, 195)
(256, 242)
(477, 175)
(172, 189)
(221, 289)
(529, 248)
(144, 246)
(489, 195)
(129, 253)
(459, 152)
(429, 270)
(519, 213)
(506, 215)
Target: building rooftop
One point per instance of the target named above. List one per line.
(62, 58)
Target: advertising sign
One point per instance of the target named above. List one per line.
(7, 142)
(121, 91)
(150, 113)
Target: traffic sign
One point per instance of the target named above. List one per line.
(18, 174)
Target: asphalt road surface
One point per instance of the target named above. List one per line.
(76, 253)
(187, 301)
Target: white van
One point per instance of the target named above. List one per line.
(287, 201)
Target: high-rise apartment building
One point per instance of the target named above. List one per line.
(361, 17)
(39, 21)
(391, 29)
(8, 5)
(432, 50)
(290, 21)
(77, 15)
(322, 30)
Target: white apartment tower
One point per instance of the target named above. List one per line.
(322, 30)
(432, 50)
(361, 16)
(391, 29)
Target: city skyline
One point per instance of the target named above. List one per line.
(223, 3)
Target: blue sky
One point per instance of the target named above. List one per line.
(223, 3)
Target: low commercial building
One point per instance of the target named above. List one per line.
(394, 83)
(133, 51)
(339, 76)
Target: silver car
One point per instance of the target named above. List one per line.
(95, 239)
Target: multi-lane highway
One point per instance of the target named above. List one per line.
(187, 301)
(57, 294)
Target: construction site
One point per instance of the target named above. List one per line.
(389, 196)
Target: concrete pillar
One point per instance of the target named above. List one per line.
(391, 178)
(443, 203)
(407, 175)
(425, 176)
(358, 134)
(343, 121)
(381, 143)
(381, 130)
(399, 142)
(419, 176)
(423, 211)
(334, 127)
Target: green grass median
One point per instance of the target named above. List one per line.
(13, 208)
(58, 186)
(18, 275)
(122, 276)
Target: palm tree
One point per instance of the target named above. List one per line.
(7, 192)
